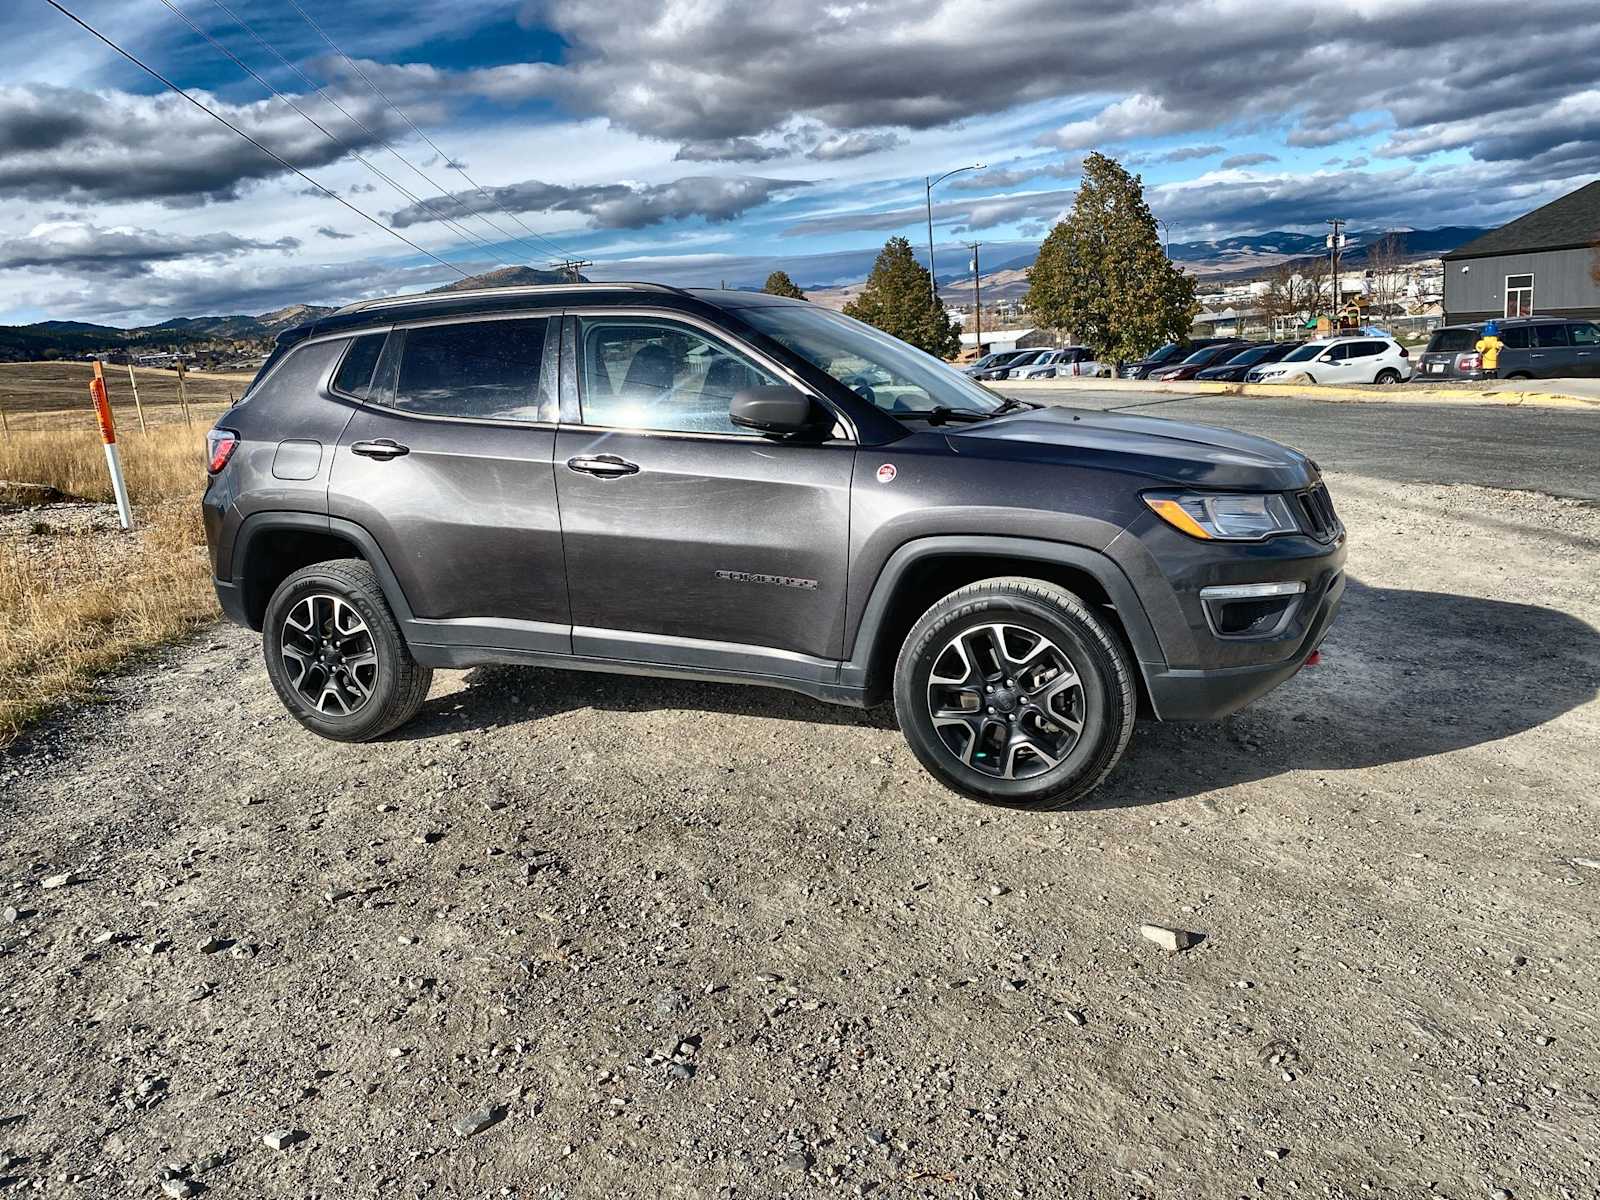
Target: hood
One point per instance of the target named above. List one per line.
(1168, 452)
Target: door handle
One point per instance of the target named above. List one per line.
(383, 449)
(606, 466)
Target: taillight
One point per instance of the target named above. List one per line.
(1404, 353)
(220, 445)
(1469, 362)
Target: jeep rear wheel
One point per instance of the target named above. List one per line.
(1387, 376)
(336, 656)
(1013, 692)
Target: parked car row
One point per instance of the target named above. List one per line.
(1530, 348)
(1349, 359)
(1037, 364)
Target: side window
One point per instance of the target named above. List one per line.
(1515, 338)
(485, 369)
(1548, 336)
(354, 377)
(1340, 352)
(1369, 349)
(640, 373)
(1586, 335)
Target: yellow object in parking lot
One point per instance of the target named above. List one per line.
(1489, 346)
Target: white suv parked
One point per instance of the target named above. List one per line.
(1340, 360)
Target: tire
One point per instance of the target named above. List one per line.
(1387, 376)
(1038, 770)
(1519, 375)
(373, 679)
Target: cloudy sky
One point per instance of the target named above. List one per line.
(694, 140)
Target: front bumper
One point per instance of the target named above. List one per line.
(1207, 695)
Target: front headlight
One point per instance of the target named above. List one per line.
(1219, 516)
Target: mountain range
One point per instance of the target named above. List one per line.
(830, 279)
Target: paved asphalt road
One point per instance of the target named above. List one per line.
(1550, 450)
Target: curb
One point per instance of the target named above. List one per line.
(1395, 394)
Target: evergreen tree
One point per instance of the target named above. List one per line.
(779, 284)
(1101, 274)
(896, 299)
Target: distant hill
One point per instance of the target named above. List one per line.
(73, 339)
(504, 277)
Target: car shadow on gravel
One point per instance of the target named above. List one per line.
(1405, 675)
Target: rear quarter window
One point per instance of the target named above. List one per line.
(354, 377)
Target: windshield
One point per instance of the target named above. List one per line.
(1246, 357)
(1309, 351)
(1170, 350)
(897, 378)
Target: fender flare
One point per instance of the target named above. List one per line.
(266, 522)
(1130, 610)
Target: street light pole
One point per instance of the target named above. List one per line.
(928, 184)
(1166, 233)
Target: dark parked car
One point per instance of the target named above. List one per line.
(730, 486)
(1017, 359)
(1199, 360)
(1166, 356)
(992, 361)
(1531, 348)
(1233, 370)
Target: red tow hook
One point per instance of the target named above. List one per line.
(1314, 658)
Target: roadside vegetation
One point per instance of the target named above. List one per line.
(77, 595)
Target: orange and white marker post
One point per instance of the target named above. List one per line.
(108, 434)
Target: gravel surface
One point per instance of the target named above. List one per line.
(587, 935)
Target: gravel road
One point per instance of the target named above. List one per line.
(584, 935)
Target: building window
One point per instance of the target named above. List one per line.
(1519, 295)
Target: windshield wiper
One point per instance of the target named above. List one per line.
(941, 414)
(1012, 404)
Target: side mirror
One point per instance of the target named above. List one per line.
(774, 410)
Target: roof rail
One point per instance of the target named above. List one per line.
(529, 289)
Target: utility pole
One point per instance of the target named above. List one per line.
(570, 268)
(1335, 244)
(977, 299)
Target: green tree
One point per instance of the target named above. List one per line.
(897, 300)
(779, 284)
(1101, 273)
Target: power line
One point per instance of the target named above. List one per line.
(449, 162)
(337, 141)
(268, 151)
(319, 91)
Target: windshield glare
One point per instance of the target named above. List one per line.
(886, 372)
(1308, 351)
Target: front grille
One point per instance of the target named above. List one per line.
(1316, 506)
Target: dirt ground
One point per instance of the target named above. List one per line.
(583, 935)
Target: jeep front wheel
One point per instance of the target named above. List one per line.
(336, 656)
(1013, 692)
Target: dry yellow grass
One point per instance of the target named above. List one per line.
(75, 603)
(56, 395)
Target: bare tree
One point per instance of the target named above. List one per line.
(1385, 279)
(1291, 296)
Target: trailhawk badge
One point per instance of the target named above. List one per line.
(886, 473)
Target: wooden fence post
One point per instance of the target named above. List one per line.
(139, 408)
(183, 396)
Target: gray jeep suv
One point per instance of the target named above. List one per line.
(737, 487)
